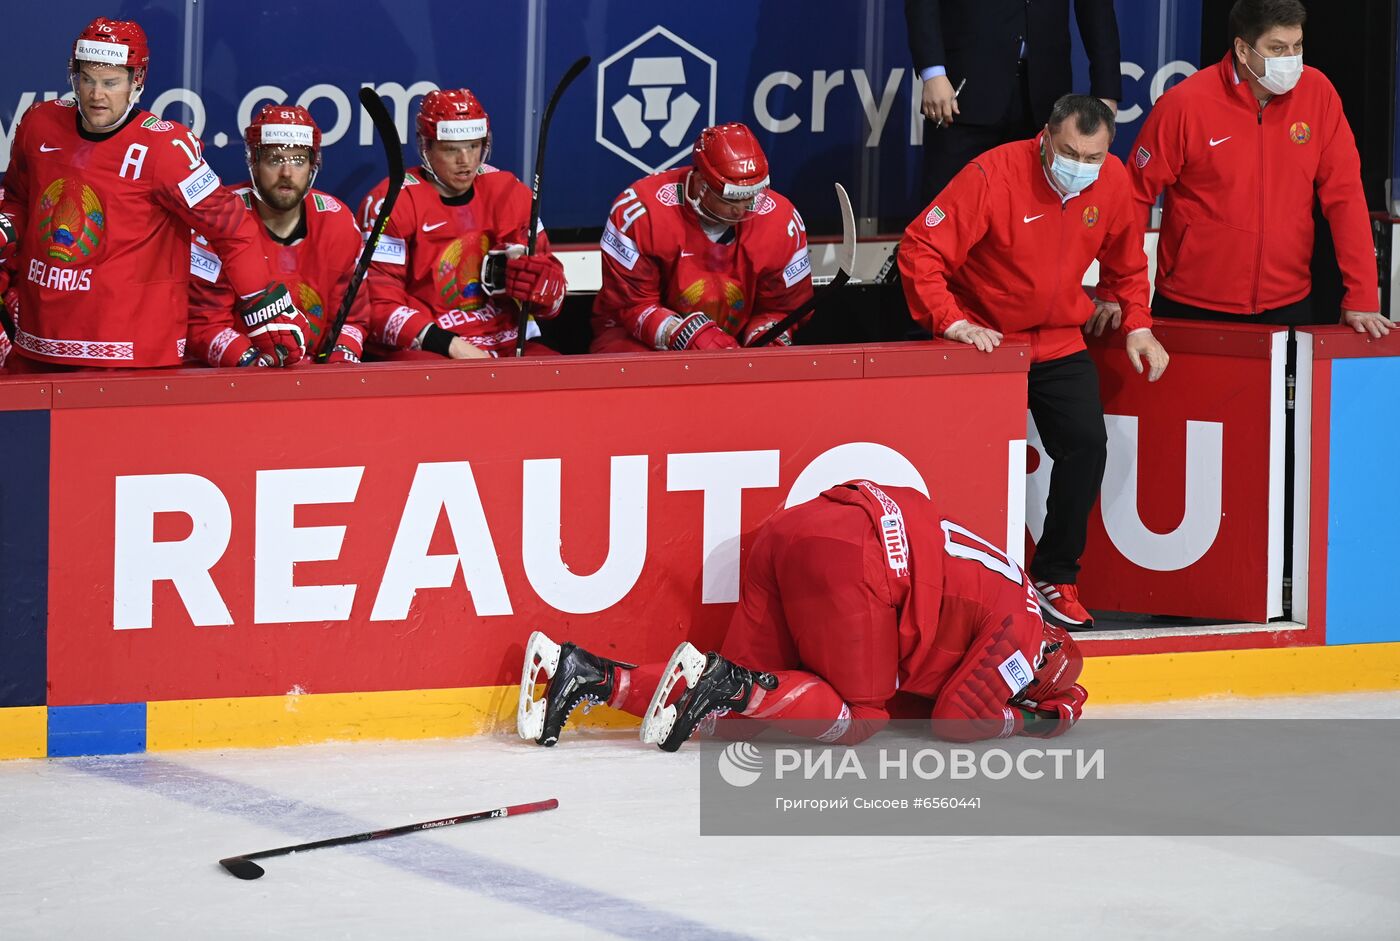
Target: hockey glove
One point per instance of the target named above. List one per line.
(343, 354)
(758, 327)
(699, 333)
(493, 267)
(9, 312)
(349, 346)
(1054, 716)
(7, 234)
(275, 325)
(537, 280)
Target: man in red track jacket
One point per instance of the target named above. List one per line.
(1002, 251)
(1239, 150)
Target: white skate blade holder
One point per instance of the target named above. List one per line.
(541, 656)
(686, 663)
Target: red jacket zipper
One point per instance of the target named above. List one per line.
(1263, 188)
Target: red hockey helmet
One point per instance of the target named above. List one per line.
(452, 114)
(113, 42)
(1057, 668)
(283, 126)
(731, 165)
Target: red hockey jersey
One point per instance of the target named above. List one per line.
(969, 625)
(658, 261)
(427, 266)
(1000, 248)
(1237, 221)
(316, 270)
(104, 236)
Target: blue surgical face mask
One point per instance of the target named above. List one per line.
(1072, 175)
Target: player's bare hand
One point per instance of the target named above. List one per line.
(940, 101)
(1141, 343)
(461, 348)
(1374, 324)
(984, 338)
(1107, 315)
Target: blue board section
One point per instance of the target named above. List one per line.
(118, 729)
(24, 558)
(828, 85)
(1363, 504)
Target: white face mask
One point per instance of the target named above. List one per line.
(1281, 73)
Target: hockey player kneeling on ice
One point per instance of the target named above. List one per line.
(847, 599)
(704, 257)
(101, 197)
(450, 272)
(307, 235)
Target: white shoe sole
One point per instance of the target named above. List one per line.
(686, 663)
(541, 656)
(1049, 610)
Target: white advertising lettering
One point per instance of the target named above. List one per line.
(446, 490)
(1203, 467)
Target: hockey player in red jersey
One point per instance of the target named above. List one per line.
(450, 271)
(102, 196)
(704, 257)
(846, 599)
(309, 238)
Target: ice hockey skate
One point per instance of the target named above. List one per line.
(714, 686)
(572, 675)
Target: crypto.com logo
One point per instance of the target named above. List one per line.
(660, 85)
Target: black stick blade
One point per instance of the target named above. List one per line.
(242, 868)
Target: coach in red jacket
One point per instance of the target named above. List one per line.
(1002, 252)
(1240, 149)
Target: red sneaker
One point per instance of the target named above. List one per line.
(1060, 603)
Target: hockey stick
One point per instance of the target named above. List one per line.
(846, 261)
(244, 868)
(522, 318)
(393, 152)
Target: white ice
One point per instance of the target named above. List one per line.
(126, 847)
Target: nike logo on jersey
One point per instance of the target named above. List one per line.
(435, 225)
(1214, 142)
(46, 149)
(687, 254)
(1031, 218)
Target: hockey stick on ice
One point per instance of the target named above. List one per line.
(244, 868)
(846, 260)
(393, 152)
(522, 318)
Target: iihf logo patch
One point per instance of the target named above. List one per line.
(1300, 133)
(935, 216)
(1141, 157)
(1091, 216)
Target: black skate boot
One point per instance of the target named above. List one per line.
(714, 686)
(572, 676)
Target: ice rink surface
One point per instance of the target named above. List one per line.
(127, 847)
